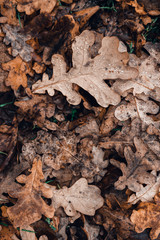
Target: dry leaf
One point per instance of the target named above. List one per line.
(17, 73)
(8, 182)
(147, 193)
(146, 82)
(80, 197)
(37, 109)
(142, 108)
(8, 11)
(30, 206)
(137, 170)
(29, 7)
(88, 73)
(122, 138)
(147, 216)
(18, 39)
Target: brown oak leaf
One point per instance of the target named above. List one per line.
(30, 206)
(17, 73)
(147, 216)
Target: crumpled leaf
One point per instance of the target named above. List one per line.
(30, 6)
(147, 216)
(18, 39)
(30, 206)
(17, 73)
(88, 73)
(80, 197)
(137, 170)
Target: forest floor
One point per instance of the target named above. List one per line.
(79, 119)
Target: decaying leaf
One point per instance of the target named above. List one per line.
(29, 7)
(88, 73)
(147, 216)
(17, 73)
(17, 39)
(122, 138)
(81, 197)
(37, 109)
(137, 170)
(8, 182)
(30, 206)
(117, 219)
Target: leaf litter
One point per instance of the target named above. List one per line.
(80, 148)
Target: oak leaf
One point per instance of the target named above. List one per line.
(141, 107)
(30, 206)
(17, 73)
(147, 81)
(137, 170)
(147, 216)
(80, 197)
(88, 73)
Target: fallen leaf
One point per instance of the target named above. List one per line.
(80, 197)
(147, 216)
(137, 170)
(8, 182)
(8, 11)
(146, 82)
(37, 109)
(30, 206)
(147, 193)
(18, 39)
(17, 73)
(88, 73)
(29, 7)
(138, 107)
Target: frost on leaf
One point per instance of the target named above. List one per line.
(18, 42)
(30, 206)
(147, 216)
(138, 169)
(80, 197)
(88, 73)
